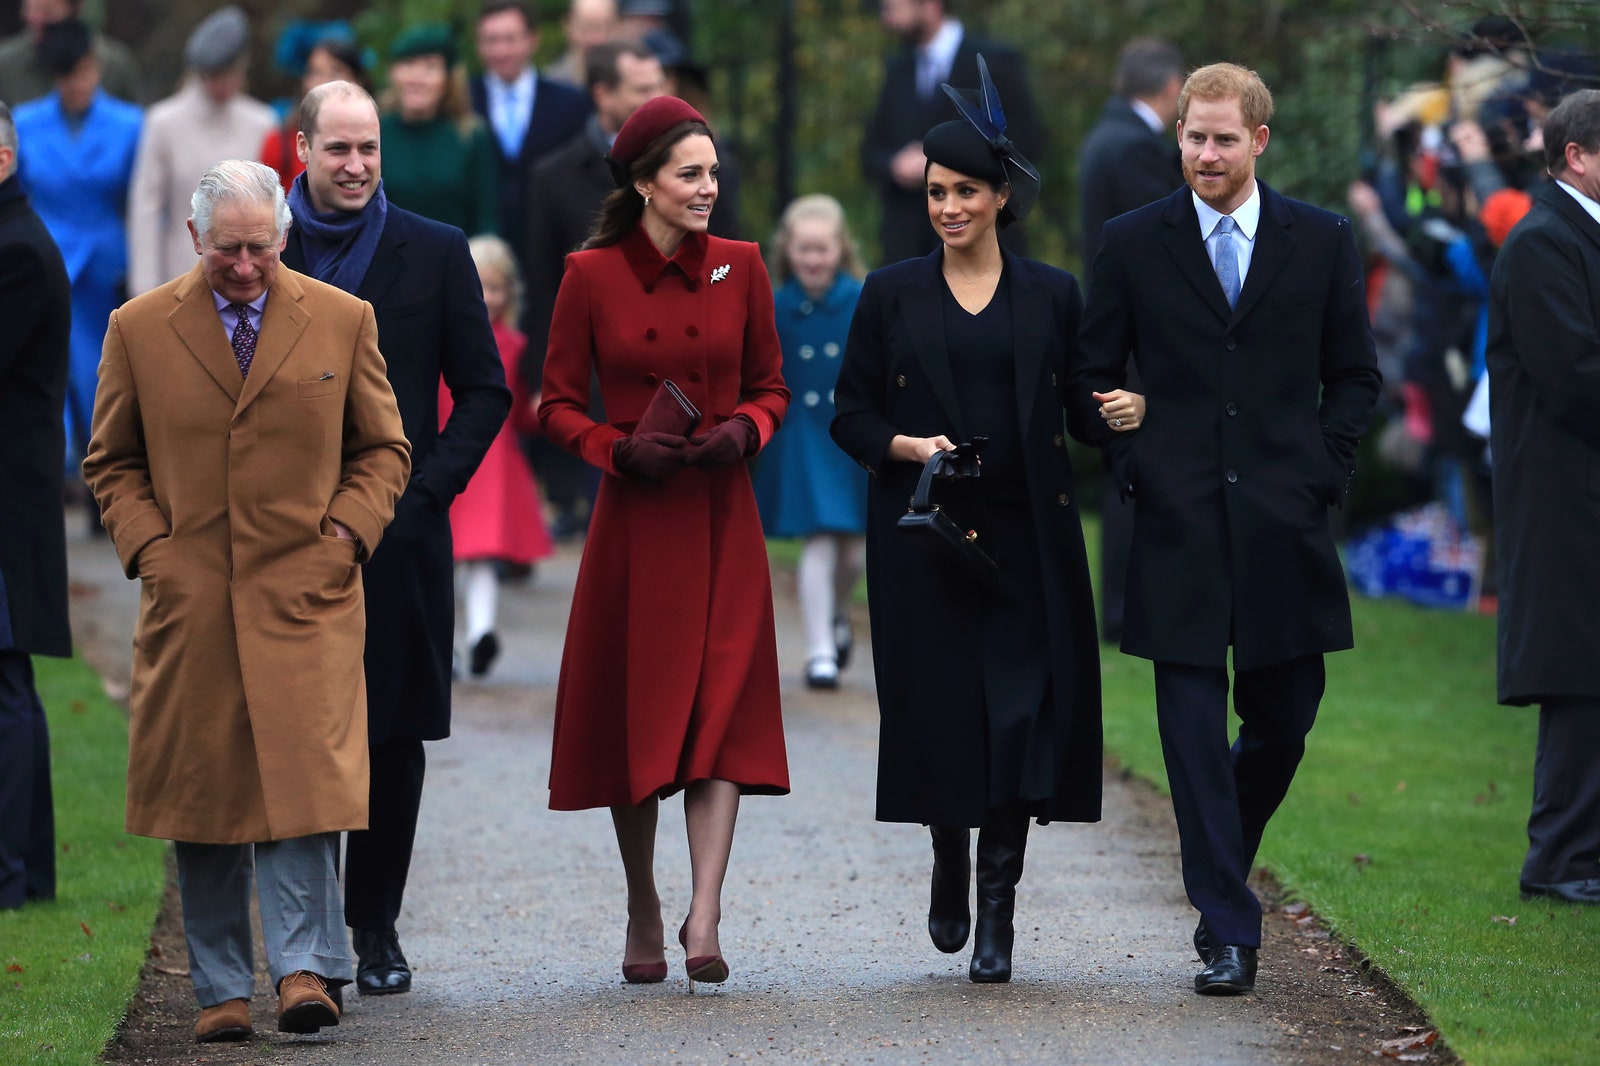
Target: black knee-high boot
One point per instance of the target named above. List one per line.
(949, 919)
(1001, 843)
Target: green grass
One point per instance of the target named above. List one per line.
(1414, 768)
(69, 968)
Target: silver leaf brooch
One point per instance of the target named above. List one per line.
(720, 273)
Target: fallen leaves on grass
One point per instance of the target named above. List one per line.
(1412, 1039)
(12, 967)
(86, 930)
(1361, 859)
(1488, 795)
(1504, 919)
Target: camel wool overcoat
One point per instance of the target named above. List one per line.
(248, 707)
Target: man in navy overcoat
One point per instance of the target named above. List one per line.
(1246, 312)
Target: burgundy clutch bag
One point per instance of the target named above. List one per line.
(669, 412)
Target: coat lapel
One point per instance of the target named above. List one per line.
(1274, 244)
(196, 323)
(387, 261)
(1030, 315)
(282, 322)
(924, 321)
(1182, 239)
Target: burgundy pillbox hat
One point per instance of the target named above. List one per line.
(650, 121)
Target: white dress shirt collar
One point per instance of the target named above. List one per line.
(1148, 113)
(1585, 202)
(935, 58)
(1246, 217)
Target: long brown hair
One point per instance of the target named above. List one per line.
(623, 208)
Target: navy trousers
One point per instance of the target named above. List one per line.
(1222, 796)
(378, 858)
(1564, 825)
(27, 809)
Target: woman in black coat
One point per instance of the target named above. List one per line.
(990, 700)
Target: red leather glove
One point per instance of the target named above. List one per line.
(651, 457)
(728, 443)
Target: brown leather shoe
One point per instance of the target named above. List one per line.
(304, 1005)
(225, 1021)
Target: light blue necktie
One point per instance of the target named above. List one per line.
(1226, 260)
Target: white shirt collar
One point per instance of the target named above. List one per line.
(1246, 216)
(940, 52)
(1148, 113)
(518, 89)
(1588, 204)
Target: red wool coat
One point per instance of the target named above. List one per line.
(670, 672)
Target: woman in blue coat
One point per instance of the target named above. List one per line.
(76, 148)
(805, 486)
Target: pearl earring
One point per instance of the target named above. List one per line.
(647, 201)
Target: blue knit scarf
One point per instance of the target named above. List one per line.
(339, 245)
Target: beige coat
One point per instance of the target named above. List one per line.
(248, 710)
(184, 136)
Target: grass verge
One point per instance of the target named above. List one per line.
(68, 968)
(1405, 831)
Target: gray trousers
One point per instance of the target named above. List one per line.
(1564, 825)
(302, 914)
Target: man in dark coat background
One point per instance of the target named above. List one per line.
(528, 115)
(934, 48)
(35, 320)
(1127, 162)
(419, 277)
(1260, 378)
(1544, 398)
(565, 193)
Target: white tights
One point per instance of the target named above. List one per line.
(830, 564)
(478, 584)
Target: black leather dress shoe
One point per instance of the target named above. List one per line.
(381, 967)
(1231, 972)
(1587, 891)
(1205, 945)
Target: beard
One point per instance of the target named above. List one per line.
(1213, 194)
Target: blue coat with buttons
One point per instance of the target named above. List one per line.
(1252, 419)
(805, 484)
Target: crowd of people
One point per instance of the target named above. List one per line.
(379, 420)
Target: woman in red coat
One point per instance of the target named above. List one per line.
(669, 680)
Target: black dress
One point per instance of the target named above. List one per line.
(1015, 654)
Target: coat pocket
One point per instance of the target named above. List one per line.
(326, 385)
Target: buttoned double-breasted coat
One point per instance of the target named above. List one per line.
(248, 708)
(927, 623)
(1250, 433)
(670, 672)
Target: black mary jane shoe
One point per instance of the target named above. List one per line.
(381, 967)
(1231, 972)
(949, 917)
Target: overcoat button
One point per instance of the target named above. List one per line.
(1232, 409)
(694, 375)
(650, 334)
(900, 381)
(1233, 476)
(691, 331)
(1060, 441)
(1062, 499)
(651, 379)
(1230, 344)
(1052, 380)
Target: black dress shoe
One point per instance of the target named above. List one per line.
(484, 652)
(949, 918)
(844, 639)
(1205, 945)
(1587, 891)
(381, 968)
(1231, 972)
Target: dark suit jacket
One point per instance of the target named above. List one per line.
(1251, 430)
(927, 630)
(35, 320)
(902, 117)
(1123, 164)
(1544, 393)
(558, 113)
(432, 324)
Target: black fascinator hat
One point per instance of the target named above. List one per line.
(977, 145)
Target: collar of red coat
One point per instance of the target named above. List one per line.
(649, 265)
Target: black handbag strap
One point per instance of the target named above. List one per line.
(930, 470)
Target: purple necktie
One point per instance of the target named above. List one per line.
(244, 338)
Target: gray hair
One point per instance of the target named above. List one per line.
(1145, 66)
(243, 180)
(1576, 120)
(8, 132)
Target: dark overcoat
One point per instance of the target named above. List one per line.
(1123, 164)
(1544, 402)
(432, 324)
(926, 632)
(1250, 434)
(35, 320)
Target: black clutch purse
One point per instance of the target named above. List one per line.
(947, 543)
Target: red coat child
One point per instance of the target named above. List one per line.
(497, 516)
(670, 673)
